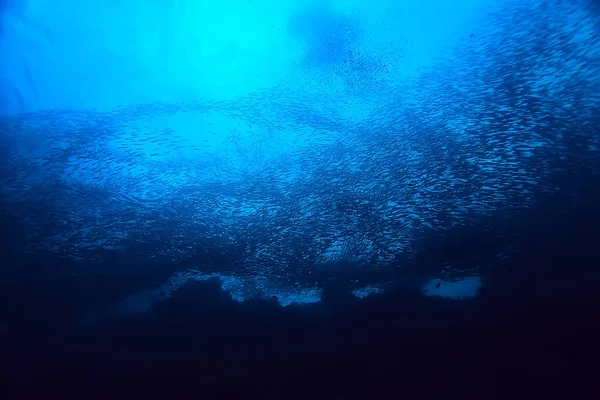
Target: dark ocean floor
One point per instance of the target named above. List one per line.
(533, 336)
(392, 344)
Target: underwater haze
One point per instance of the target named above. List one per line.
(292, 151)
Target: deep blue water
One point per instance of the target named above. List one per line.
(333, 201)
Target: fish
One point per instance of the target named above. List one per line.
(481, 137)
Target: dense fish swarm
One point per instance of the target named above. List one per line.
(294, 189)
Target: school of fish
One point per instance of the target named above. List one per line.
(295, 189)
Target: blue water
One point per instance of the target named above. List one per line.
(253, 180)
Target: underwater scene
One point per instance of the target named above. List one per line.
(267, 198)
